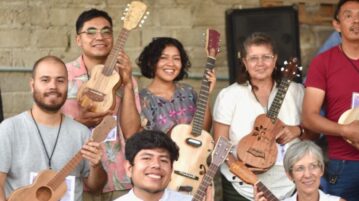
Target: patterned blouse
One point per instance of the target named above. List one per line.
(162, 114)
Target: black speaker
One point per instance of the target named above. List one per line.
(281, 23)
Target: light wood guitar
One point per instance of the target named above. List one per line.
(239, 169)
(195, 144)
(50, 185)
(219, 154)
(258, 149)
(348, 117)
(98, 94)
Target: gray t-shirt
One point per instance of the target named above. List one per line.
(22, 152)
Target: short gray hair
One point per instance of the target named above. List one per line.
(300, 149)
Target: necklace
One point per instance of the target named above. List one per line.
(49, 157)
(350, 61)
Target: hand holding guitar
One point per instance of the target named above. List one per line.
(124, 68)
(92, 151)
(351, 133)
(258, 195)
(89, 118)
(287, 134)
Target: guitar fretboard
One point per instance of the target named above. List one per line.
(111, 60)
(207, 179)
(278, 99)
(202, 100)
(267, 194)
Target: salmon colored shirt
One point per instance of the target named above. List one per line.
(113, 159)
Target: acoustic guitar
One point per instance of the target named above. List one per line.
(98, 94)
(50, 185)
(348, 117)
(219, 154)
(195, 144)
(239, 169)
(258, 149)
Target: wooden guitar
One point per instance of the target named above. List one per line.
(219, 154)
(239, 169)
(348, 117)
(50, 185)
(195, 144)
(98, 94)
(258, 149)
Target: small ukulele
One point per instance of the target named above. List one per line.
(98, 94)
(258, 150)
(195, 144)
(240, 170)
(50, 185)
(219, 154)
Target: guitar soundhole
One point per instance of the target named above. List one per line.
(43, 193)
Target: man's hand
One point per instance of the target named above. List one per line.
(91, 119)
(351, 133)
(124, 67)
(287, 134)
(92, 151)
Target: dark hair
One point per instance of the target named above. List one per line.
(149, 139)
(339, 5)
(256, 38)
(150, 55)
(46, 58)
(89, 15)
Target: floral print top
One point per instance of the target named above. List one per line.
(162, 114)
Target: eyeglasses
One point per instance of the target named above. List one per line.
(313, 167)
(349, 16)
(92, 32)
(256, 59)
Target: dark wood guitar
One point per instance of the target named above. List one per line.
(98, 94)
(195, 144)
(50, 185)
(219, 154)
(258, 149)
(240, 170)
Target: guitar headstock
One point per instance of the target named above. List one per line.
(135, 14)
(290, 68)
(100, 132)
(212, 42)
(221, 150)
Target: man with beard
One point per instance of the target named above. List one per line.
(332, 80)
(43, 138)
(149, 163)
(95, 38)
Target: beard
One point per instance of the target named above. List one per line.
(54, 105)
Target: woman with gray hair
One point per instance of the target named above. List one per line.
(303, 162)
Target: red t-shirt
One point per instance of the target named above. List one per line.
(332, 72)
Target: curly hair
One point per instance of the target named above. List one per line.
(150, 55)
(150, 139)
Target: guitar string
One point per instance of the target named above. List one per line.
(42, 140)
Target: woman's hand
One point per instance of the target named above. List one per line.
(211, 76)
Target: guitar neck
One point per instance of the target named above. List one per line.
(207, 179)
(202, 99)
(278, 99)
(66, 170)
(266, 192)
(111, 60)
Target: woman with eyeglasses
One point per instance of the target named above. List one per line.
(304, 165)
(238, 105)
(166, 101)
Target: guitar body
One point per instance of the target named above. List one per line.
(192, 162)
(99, 92)
(258, 149)
(40, 190)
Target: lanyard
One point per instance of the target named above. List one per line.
(49, 157)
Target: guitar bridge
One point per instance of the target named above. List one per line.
(185, 189)
(256, 153)
(185, 174)
(94, 95)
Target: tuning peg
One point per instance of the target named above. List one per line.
(298, 75)
(140, 25)
(285, 62)
(122, 18)
(282, 69)
(300, 68)
(145, 17)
